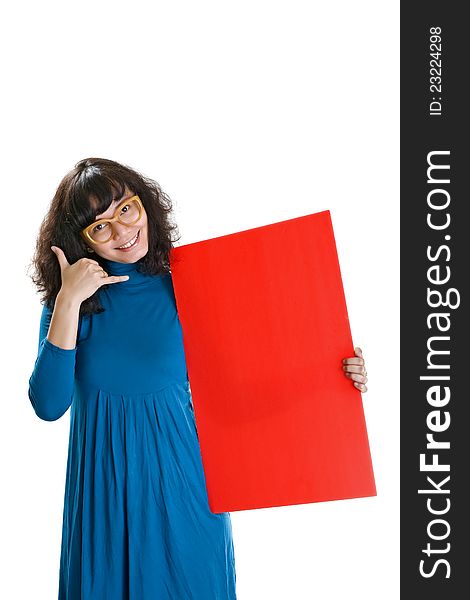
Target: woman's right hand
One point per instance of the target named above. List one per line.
(81, 279)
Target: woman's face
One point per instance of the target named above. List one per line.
(122, 234)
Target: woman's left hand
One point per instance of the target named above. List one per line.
(355, 369)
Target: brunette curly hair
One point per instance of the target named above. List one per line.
(85, 192)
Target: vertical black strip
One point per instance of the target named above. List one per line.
(434, 269)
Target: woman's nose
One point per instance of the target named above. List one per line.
(120, 231)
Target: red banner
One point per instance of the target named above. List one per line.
(265, 329)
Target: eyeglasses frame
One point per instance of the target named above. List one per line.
(86, 231)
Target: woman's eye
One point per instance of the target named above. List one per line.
(125, 207)
(100, 227)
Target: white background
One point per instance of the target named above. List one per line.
(247, 113)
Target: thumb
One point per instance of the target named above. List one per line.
(63, 262)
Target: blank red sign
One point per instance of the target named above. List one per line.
(265, 329)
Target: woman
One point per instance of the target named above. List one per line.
(136, 520)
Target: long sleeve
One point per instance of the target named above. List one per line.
(51, 383)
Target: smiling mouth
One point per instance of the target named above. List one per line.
(134, 241)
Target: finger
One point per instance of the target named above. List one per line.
(63, 262)
(361, 387)
(114, 279)
(354, 369)
(353, 361)
(358, 351)
(357, 377)
(90, 260)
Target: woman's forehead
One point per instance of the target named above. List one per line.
(109, 212)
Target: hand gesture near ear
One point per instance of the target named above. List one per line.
(81, 279)
(355, 369)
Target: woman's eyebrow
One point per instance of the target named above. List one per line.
(123, 198)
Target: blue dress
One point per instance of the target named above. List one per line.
(136, 520)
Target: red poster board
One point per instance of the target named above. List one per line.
(265, 329)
